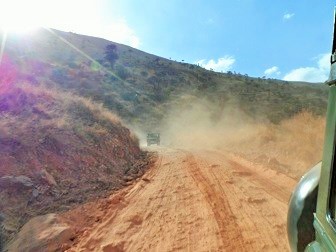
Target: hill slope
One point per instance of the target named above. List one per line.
(58, 150)
(141, 87)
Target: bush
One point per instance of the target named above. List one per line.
(144, 73)
(122, 72)
(111, 54)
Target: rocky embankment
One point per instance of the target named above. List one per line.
(58, 150)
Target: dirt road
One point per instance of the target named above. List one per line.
(196, 201)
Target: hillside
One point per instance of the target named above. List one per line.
(142, 88)
(58, 150)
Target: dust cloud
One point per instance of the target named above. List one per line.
(199, 124)
(292, 146)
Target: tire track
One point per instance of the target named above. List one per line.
(228, 228)
(267, 185)
(262, 215)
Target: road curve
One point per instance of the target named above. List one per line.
(196, 201)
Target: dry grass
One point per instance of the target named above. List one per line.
(30, 113)
(292, 146)
(69, 98)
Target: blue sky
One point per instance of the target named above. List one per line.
(283, 39)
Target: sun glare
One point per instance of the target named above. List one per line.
(25, 15)
(20, 16)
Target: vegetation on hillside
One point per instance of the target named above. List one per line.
(141, 87)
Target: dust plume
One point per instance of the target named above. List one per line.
(291, 147)
(199, 124)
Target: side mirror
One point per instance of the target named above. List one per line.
(302, 207)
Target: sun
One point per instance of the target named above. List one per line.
(20, 15)
(67, 15)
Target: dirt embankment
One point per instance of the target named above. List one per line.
(58, 150)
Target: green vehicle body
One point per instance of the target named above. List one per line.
(324, 218)
(319, 232)
(153, 138)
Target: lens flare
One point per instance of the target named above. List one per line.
(19, 16)
(8, 73)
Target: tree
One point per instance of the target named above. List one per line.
(111, 54)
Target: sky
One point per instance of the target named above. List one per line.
(282, 39)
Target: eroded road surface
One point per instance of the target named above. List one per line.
(196, 201)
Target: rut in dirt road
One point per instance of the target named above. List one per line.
(196, 201)
(225, 218)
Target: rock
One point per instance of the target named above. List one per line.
(146, 179)
(11, 181)
(24, 181)
(35, 193)
(43, 233)
(7, 181)
(128, 178)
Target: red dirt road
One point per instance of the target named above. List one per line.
(196, 201)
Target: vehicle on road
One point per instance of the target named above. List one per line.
(312, 209)
(153, 138)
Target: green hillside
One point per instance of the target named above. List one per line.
(142, 87)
